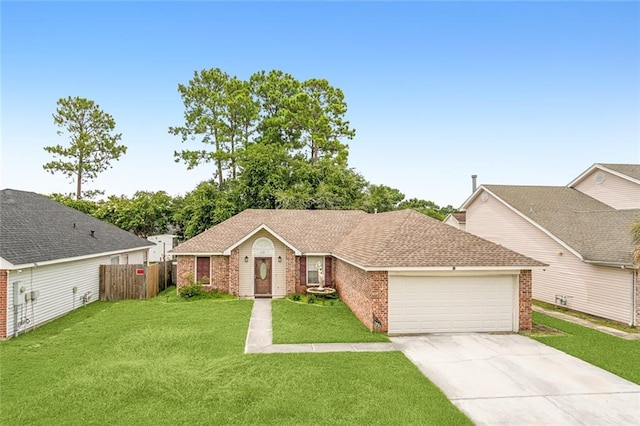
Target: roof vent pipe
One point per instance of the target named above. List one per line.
(473, 183)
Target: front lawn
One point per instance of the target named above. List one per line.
(168, 362)
(610, 353)
(332, 322)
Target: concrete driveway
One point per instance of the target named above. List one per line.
(514, 380)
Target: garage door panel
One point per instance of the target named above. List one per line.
(450, 304)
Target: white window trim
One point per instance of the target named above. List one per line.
(309, 263)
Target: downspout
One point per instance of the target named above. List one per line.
(634, 297)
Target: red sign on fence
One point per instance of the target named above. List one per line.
(139, 271)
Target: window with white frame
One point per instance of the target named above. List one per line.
(315, 265)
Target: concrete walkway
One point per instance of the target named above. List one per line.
(587, 323)
(260, 337)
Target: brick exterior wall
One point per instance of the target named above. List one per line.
(220, 267)
(291, 271)
(379, 284)
(234, 272)
(366, 293)
(186, 270)
(299, 288)
(3, 304)
(524, 296)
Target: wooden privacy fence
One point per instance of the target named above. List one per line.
(119, 282)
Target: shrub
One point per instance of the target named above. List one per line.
(296, 297)
(192, 290)
(311, 299)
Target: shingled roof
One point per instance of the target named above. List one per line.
(396, 239)
(596, 231)
(35, 228)
(631, 170)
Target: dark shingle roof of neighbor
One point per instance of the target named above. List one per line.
(34, 228)
(596, 230)
(631, 170)
(403, 238)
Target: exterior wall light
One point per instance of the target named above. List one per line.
(246, 259)
(279, 259)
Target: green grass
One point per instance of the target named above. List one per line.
(592, 318)
(166, 361)
(332, 322)
(610, 353)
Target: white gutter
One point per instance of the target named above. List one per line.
(200, 254)
(11, 266)
(612, 264)
(439, 268)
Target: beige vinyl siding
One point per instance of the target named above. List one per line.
(136, 257)
(598, 290)
(615, 191)
(454, 222)
(246, 268)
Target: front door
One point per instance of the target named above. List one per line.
(262, 276)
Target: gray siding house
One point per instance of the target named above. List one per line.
(50, 256)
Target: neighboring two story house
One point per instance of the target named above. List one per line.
(582, 231)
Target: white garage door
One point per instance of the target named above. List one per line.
(451, 304)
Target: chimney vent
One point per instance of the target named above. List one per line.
(473, 183)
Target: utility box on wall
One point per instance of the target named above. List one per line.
(18, 294)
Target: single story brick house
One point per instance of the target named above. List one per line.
(400, 272)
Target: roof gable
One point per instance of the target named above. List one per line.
(592, 230)
(630, 172)
(35, 228)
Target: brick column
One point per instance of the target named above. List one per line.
(290, 271)
(220, 268)
(524, 296)
(186, 270)
(379, 284)
(3, 303)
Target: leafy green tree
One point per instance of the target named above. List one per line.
(381, 198)
(323, 111)
(306, 117)
(207, 205)
(427, 207)
(92, 143)
(221, 112)
(146, 213)
(266, 170)
(84, 205)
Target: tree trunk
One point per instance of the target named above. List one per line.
(79, 183)
(219, 164)
(233, 158)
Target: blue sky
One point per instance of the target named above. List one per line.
(518, 93)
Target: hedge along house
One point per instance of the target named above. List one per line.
(399, 272)
(50, 256)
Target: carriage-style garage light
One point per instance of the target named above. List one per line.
(279, 259)
(246, 259)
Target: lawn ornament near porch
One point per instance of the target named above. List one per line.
(321, 290)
